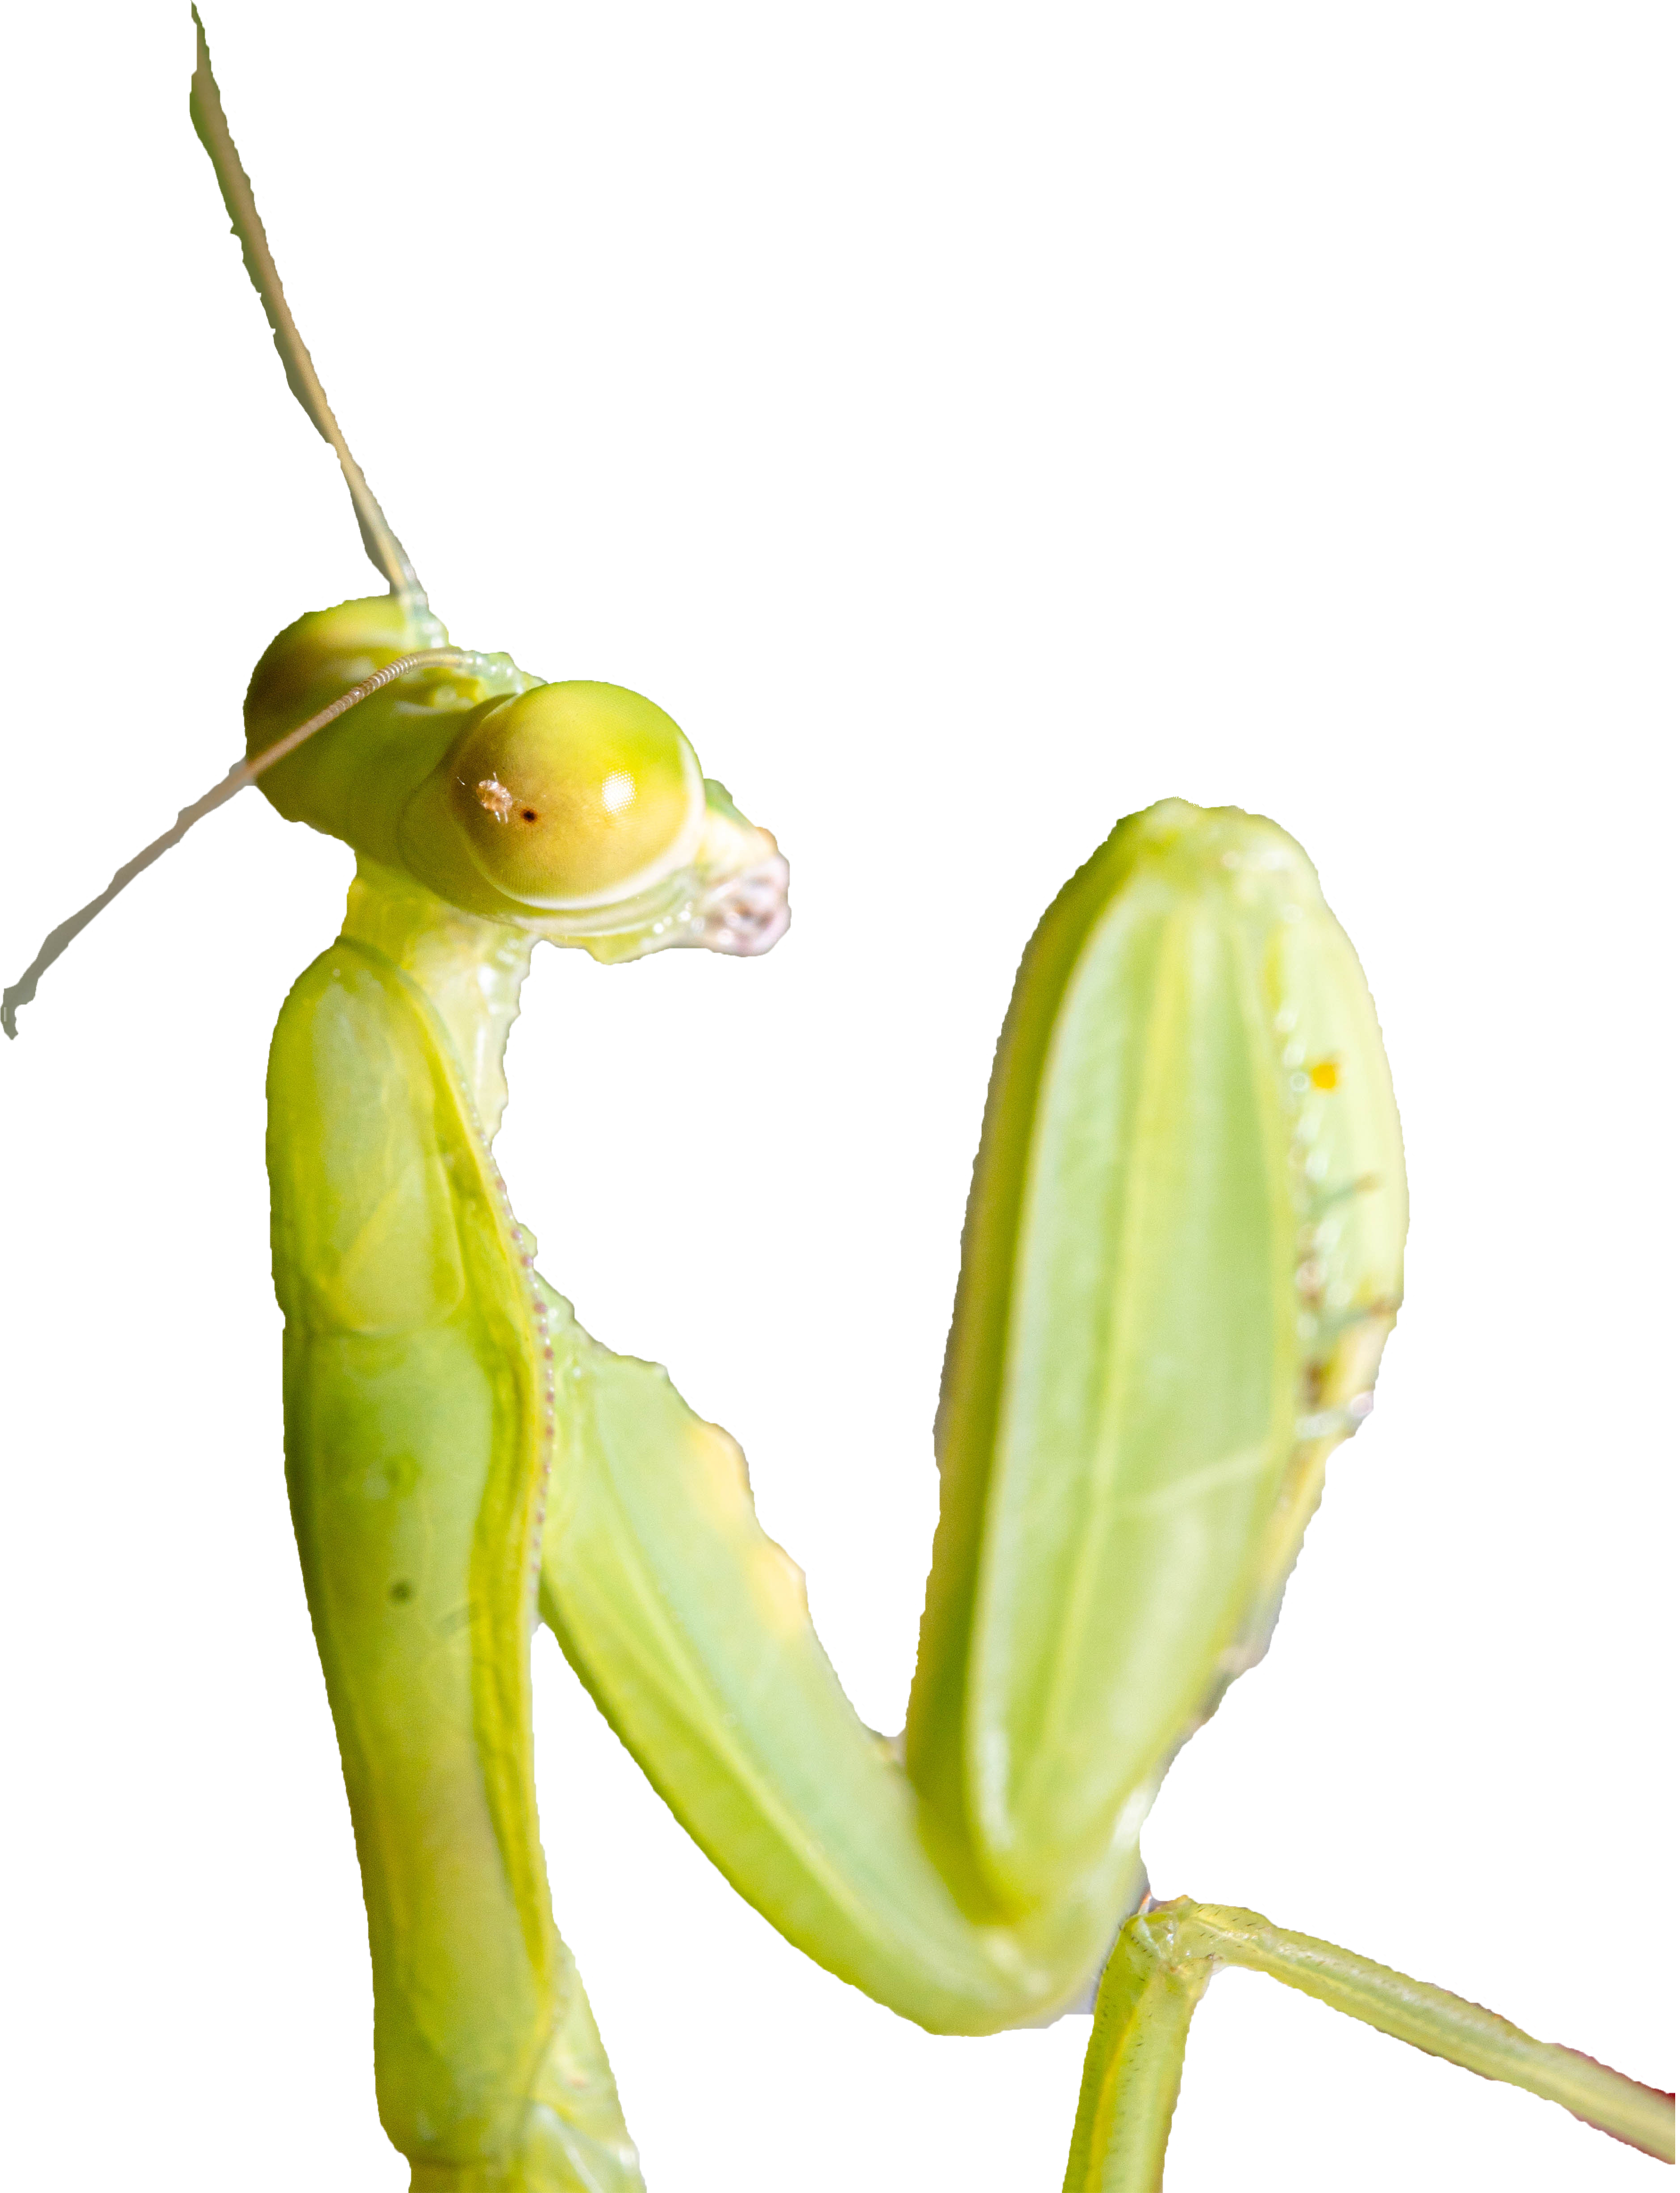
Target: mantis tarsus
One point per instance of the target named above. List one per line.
(716, 1266)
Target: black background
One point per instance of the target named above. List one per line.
(963, 468)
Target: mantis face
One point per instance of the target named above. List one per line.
(574, 810)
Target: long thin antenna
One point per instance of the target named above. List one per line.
(242, 774)
(385, 550)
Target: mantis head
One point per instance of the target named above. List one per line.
(575, 811)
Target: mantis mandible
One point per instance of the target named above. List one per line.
(731, 1268)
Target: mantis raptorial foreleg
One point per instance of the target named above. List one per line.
(780, 1613)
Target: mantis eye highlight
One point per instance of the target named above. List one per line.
(576, 794)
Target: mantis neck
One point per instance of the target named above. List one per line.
(471, 970)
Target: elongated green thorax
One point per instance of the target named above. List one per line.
(1182, 1253)
(420, 1421)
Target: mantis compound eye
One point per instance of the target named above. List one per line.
(576, 795)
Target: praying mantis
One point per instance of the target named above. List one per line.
(744, 1242)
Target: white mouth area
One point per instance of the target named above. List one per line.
(731, 898)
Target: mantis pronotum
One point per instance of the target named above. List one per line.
(742, 1277)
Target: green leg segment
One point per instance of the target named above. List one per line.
(1136, 2060)
(1162, 1963)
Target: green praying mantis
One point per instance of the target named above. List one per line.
(713, 1470)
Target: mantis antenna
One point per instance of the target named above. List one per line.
(242, 774)
(385, 552)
